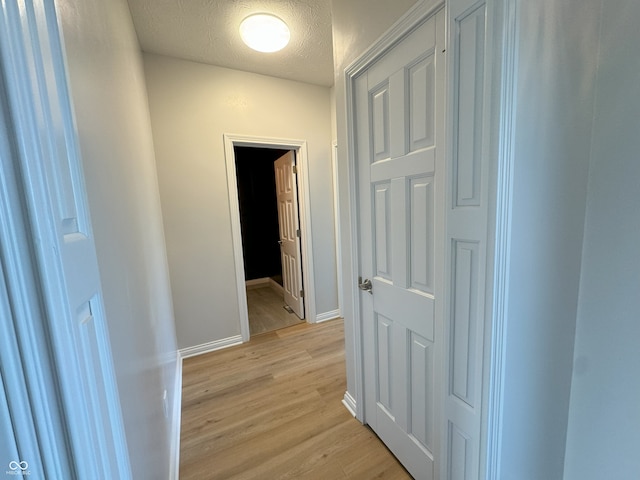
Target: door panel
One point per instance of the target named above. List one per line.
(421, 425)
(464, 296)
(422, 86)
(421, 268)
(400, 158)
(380, 122)
(385, 367)
(287, 198)
(382, 243)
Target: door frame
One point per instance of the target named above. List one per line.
(502, 17)
(335, 183)
(304, 208)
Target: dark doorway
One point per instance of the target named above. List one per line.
(258, 212)
(259, 226)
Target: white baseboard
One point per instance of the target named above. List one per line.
(276, 287)
(350, 403)
(210, 346)
(323, 317)
(176, 420)
(264, 282)
(257, 282)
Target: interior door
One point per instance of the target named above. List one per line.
(63, 249)
(399, 116)
(287, 198)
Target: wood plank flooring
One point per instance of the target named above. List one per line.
(266, 310)
(271, 409)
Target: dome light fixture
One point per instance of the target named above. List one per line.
(264, 32)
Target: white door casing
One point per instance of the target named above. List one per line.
(67, 270)
(302, 160)
(289, 228)
(399, 137)
(336, 226)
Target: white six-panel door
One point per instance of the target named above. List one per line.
(289, 227)
(400, 159)
(423, 159)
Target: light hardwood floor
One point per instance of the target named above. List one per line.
(266, 310)
(271, 409)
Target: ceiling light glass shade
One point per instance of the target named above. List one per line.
(264, 33)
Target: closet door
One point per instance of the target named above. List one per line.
(400, 141)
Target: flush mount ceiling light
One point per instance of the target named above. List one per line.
(264, 32)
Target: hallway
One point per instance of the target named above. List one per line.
(271, 409)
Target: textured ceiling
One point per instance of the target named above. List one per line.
(206, 31)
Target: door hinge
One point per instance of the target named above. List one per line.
(295, 169)
(298, 233)
(301, 293)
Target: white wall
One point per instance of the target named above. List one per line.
(604, 418)
(556, 80)
(108, 92)
(356, 25)
(192, 105)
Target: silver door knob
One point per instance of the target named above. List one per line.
(279, 242)
(366, 285)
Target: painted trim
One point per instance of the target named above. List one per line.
(210, 346)
(502, 250)
(257, 281)
(410, 20)
(350, 403)
(265, 282)
(326, 316)
(304, 203)
(276, 287)
(176, 422)
(336, 225)
(356, 323)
